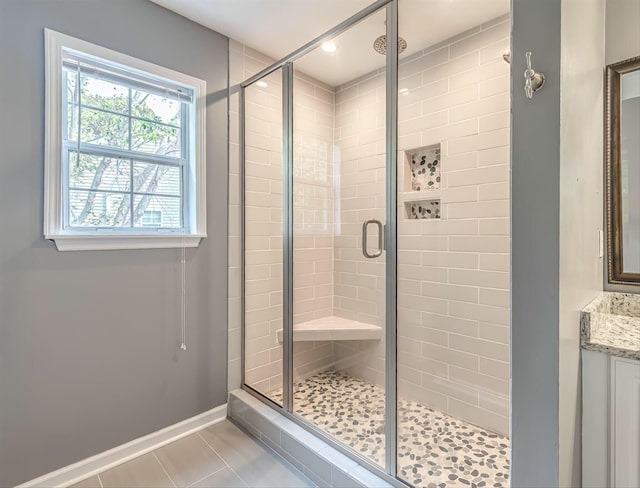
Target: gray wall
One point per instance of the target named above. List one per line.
(535, 203)
(89, 355)
(581, 188)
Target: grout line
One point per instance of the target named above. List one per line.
(223, 460)
(100, 481)
(211, 474)
(239, 477)
(164, 469)
(214, 450)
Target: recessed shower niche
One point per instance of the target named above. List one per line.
(422, 180)
(423, 209)
(424, 168)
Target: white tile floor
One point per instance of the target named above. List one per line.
(221, 455)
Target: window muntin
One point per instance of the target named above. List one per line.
(131, 133)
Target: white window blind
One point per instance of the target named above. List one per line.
(135, 78)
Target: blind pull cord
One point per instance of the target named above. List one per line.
(183, 270)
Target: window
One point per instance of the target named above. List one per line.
(125, 155)
(152, 218)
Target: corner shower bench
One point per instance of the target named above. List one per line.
(334, 329)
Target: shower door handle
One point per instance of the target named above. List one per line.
(377, 253)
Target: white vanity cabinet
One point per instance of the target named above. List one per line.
(610, 421)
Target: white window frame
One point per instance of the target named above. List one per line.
(194, 200)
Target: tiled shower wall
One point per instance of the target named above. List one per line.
(361, 162)
(453, 272)
(312, 199)
(263, 233)
(313, 220)
(312, 217)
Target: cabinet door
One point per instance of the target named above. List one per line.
(625, 428)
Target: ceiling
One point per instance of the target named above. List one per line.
(278, 27)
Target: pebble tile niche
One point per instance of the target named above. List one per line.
(425, 167)
(423, 209)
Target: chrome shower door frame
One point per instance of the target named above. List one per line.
(391, 244)
(390, 237)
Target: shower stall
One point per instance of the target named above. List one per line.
(374, 194)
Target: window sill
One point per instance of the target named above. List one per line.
(80, 242)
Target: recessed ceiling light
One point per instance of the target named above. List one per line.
(328, 47)
(262, 84)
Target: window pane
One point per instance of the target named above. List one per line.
(154, 178)
(98, 209)
(154, 107)
(104, 94)
(151, 218)
(99, 172)
(169, 209)
(155, 138)
(72, 122)
(71, 77)
(104, 128)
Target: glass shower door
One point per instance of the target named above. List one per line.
(319, 266)
(339, 260)
(263, 252)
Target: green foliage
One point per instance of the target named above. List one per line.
(148, 134)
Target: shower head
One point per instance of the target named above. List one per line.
(507, 57)
(380, 45)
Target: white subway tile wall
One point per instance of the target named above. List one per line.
(263, 240)
(263, 229)
(313, 220)
(453, 271)
(359, 282)
(313, 189)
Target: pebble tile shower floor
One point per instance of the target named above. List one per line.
(434, 449)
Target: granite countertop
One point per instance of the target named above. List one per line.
(611, 324)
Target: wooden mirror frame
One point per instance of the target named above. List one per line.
(613, 168)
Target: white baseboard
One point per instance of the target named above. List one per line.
(93, 465)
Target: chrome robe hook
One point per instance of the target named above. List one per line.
(532, 81)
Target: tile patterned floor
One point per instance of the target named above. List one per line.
(435, 450)
(220, 456)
